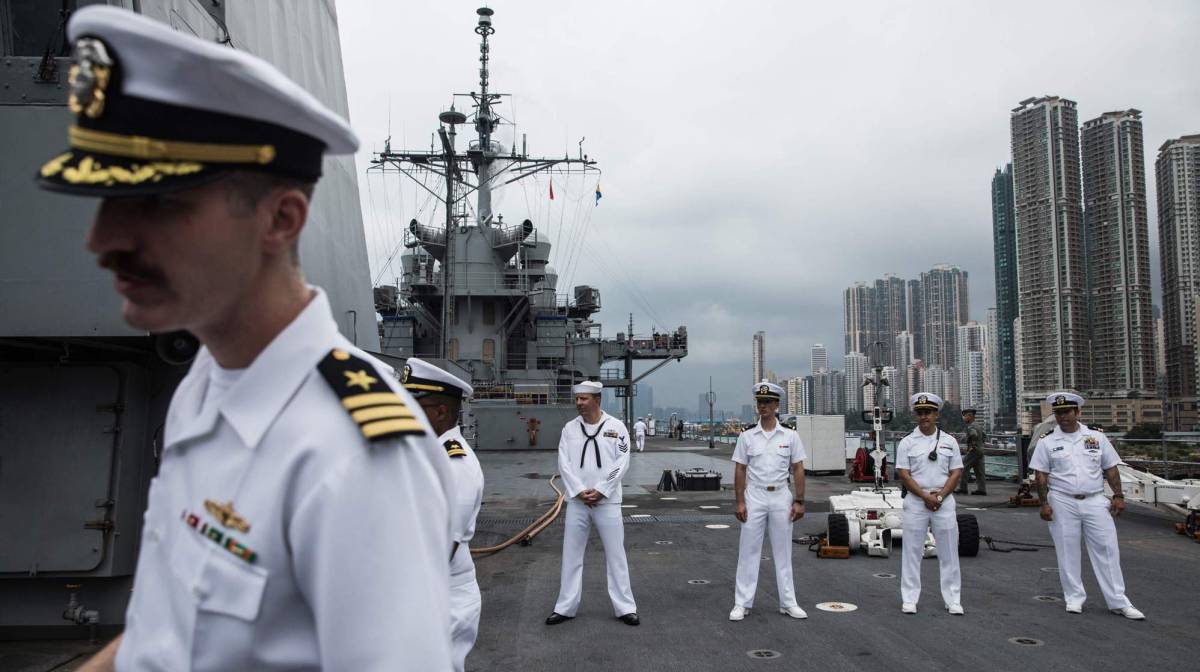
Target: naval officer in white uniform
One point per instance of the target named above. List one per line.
(299, 519)
(1070, 465)
(765, 456)
(441, 395)
(593, 454)
(639, 433)
(928, 463)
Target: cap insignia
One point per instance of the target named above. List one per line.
(89, 77)
(763, 389)
(406, 374)
(922, 399)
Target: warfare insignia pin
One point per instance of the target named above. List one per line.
(227, 516)
(89, 77)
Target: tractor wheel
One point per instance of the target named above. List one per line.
(968, 535)
(839, 530)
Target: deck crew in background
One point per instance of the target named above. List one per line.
(973, 457)
(639, 433)
(593, 454)
(1071, 465)
(441, 396)
(300, 518)
(928, 463)
(765, 456)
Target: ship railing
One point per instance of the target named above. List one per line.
(486, 281)
(533, 394)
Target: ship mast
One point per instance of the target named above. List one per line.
(474, 172)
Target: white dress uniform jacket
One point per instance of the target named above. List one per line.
(278, 538)
(913, 454)
(768, 457)
(594, 457)
(1075, 463)
(465, 602)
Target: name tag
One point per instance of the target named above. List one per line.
(1055, 449)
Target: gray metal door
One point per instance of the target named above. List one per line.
(56, 455)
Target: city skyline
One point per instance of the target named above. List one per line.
(682, 224)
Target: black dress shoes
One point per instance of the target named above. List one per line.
(629, 619)
(979, 492)
(555, 618)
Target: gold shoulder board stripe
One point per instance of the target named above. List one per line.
(378, 411)
(455, 449)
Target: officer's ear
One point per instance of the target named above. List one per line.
(288, 209)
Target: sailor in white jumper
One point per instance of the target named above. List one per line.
(593, 454)
(1071, 464)
(639, 433)
(440, 395)
(928, 463)
(765, 455)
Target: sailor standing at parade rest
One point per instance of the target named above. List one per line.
(928, 463)
(593, 454)
(441, 395)
(1071, 464)
(765, 455)
(639, 433)
(299, 519)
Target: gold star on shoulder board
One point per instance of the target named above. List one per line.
(360, 378)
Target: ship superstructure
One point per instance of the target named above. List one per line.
(478, 294)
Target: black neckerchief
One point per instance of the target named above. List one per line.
(592, 440)
(936, 440)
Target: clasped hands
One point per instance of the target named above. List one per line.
(591, 496)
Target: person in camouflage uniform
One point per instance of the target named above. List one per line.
(973, 456)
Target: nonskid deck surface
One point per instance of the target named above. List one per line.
(671, 552)
(685, 626)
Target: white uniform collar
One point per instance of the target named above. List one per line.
(454, 432)
(603, 416)
(262, 391)
(759, 428)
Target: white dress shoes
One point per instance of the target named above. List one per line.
(1131, 613)
(1074, 608)
(955, 609)
(794, 612)
(737, 614)
(908, 608)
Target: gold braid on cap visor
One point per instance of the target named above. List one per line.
(151, 149)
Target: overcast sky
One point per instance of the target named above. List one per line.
(759, 157)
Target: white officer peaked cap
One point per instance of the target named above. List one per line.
(159, 109)
(1059, 400)
(421, 378)
(587, 387)
(768, 391)
(928, 400)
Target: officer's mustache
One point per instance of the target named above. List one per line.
(127, 266)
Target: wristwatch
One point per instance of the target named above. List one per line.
(798, 501)
(939, 497)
